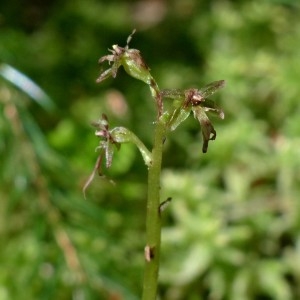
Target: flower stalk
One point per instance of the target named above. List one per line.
(185, 102)
(153, 217)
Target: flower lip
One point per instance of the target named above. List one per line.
(193, 97)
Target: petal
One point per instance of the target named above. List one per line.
(105, 75)
(208, 131)
(210, 106)
(109, 151)
(178, 116)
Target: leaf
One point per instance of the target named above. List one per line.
(28, 86)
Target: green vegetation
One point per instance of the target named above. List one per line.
(232, 228)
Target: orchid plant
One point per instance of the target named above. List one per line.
(184, 103)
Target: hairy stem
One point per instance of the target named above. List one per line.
(153, 220)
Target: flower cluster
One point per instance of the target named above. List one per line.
(184, 102)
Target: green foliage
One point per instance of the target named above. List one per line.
(232, 228)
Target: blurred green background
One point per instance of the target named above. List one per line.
(233, 228)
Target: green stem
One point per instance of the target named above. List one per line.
(153, 220)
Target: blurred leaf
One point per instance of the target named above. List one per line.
(25, 84)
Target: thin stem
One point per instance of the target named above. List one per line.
(153, 220)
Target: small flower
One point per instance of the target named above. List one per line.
(111, 139)
(130, 59)
(116, 137)
(194, 100)
(134, 65)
